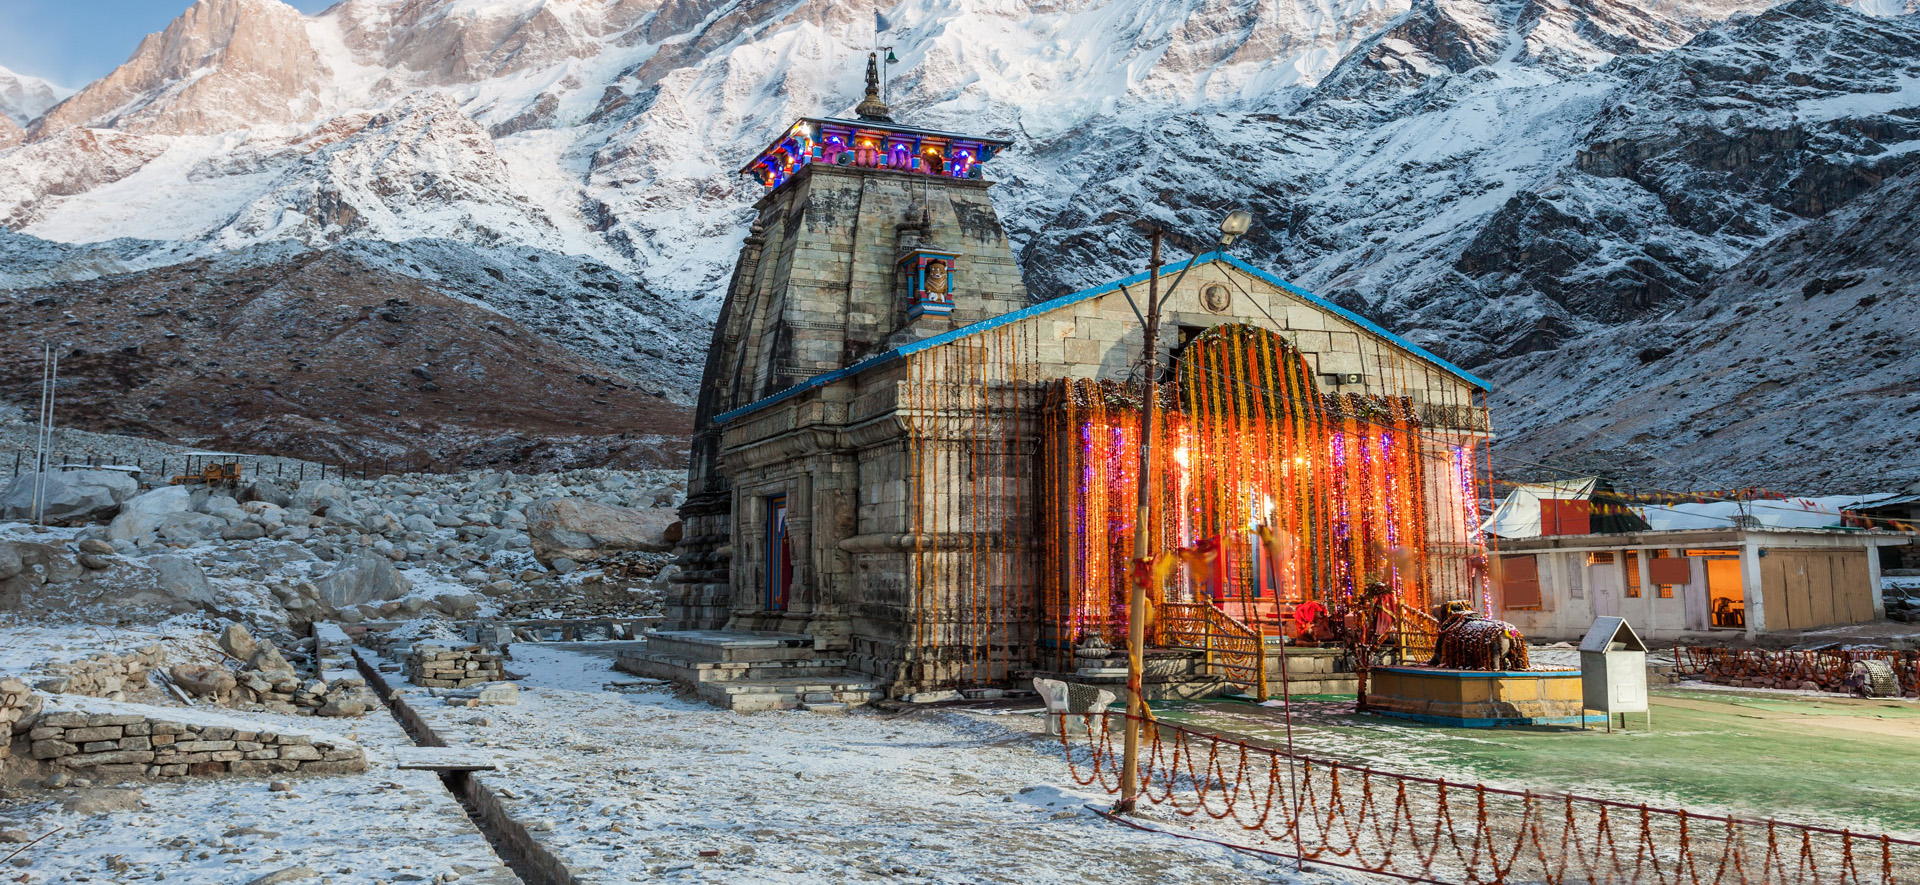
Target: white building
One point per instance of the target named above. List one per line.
(1694, 584)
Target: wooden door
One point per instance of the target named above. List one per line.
(1604, 586)
(1805, 589)
(1852, 587)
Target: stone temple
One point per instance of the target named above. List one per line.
(908, 476)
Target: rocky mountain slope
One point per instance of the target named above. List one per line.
(1492, 178)
(331, 357)
(1799, 363)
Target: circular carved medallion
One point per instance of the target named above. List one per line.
(1216, 298)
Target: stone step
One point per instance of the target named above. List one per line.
(660, 666)
(790, 694)
(730, 646)
(818, 684)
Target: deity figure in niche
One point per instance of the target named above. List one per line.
(937, 281)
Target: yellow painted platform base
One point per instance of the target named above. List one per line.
(1477, 698)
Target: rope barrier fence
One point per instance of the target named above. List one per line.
(1423, 829)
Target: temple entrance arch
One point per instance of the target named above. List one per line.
(1246, 440)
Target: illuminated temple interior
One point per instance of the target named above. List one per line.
(1352, 486)
(904, 459)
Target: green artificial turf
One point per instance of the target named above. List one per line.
(1831, 760)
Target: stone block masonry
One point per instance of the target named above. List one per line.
(123, 745)
(18, 706)
(437, 666)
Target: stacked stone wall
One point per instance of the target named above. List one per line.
(132, 745)
(18, 706)
(436, 666)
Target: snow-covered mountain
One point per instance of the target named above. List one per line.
(1492, 177)
(22, 98)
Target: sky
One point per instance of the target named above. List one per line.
(74, 42)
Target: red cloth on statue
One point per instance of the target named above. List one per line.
(1305, 615)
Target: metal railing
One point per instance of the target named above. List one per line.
(1230, 648)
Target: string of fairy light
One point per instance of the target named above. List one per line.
(1359, 487)
(1247, 440)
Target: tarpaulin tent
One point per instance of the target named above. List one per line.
(1519, 516)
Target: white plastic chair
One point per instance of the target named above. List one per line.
(1053, 693)
(1062, 698)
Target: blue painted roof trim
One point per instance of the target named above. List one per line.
(1033, 310)
(1357, 320)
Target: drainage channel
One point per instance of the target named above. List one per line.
(510, 839)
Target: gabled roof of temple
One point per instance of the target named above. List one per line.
(884, 358)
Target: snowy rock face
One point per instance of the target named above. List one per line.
(1490, 208)
(1493, 179)
(1377, 141)
(222, 65)
(1797, 366)
(421, 168)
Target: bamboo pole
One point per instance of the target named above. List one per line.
(1136, 600)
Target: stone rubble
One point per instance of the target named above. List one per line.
(267, 681)
(104, 675)
(487, 694)
(18, 707)
(357, 550)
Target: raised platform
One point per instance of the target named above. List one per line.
(1178, 674)
(1309, 670)
(1478, 698)
(750, 671)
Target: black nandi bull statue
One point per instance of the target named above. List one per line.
(1469, 641)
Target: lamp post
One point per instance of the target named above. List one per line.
(1232, 228)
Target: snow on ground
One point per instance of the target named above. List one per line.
(629, 787)
(382, 826)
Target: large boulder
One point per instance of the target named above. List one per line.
(317, 496)
(583, 530)
(266, 491)
(10, 562)
(68, 496)
(141, 516)
(204, 681)
(181, 580)
(363, 577)
(189, 527)
(237, 642)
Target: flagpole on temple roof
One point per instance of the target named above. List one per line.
(880, 23)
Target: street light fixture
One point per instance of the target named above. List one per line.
(1235, 225)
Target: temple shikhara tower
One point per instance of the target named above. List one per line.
(908, 476)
